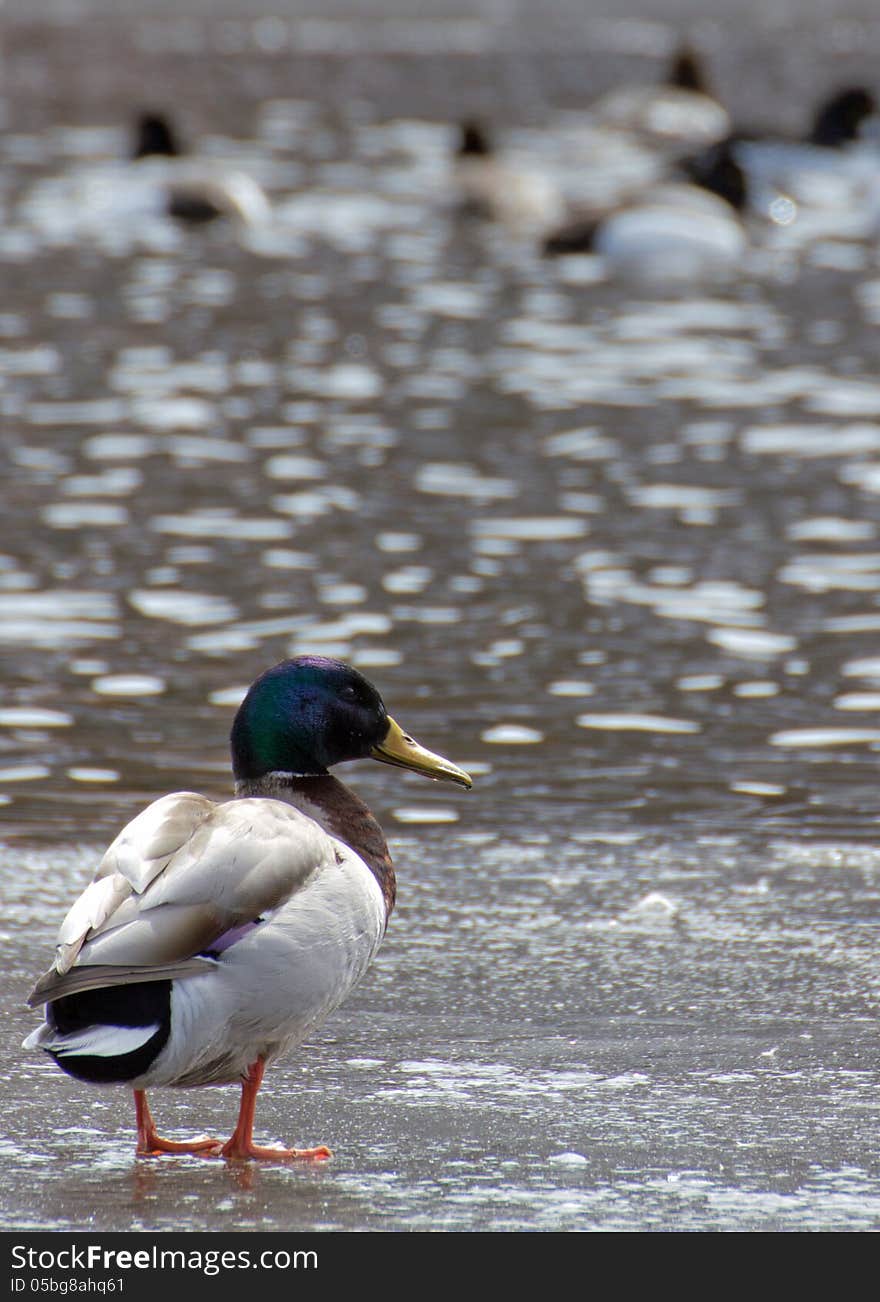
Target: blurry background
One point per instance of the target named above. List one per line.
(607, 539)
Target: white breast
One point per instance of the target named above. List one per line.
(676, 233)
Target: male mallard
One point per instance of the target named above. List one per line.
(216, 936)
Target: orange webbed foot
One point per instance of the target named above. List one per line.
(237, 1151)
(151, 1144)
(155, 1146)
(241, 1147)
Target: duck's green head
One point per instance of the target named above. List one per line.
(304, 715)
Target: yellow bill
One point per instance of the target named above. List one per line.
(402, 750)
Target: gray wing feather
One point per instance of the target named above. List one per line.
(182, 873)
(51, 986)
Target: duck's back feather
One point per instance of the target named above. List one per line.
(179, 877)
(216, 934)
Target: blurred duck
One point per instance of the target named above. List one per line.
(681, 110)
(124, 203)
(831, 175)
(215, 937)
(501, 188)
(674, 230)
(195, 190)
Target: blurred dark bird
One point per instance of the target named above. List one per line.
(832, 172)
(681, 109)
(196, 190)
(677, 229)
(839, 120)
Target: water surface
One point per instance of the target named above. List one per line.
(613, 547)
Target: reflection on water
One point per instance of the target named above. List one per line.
(619, 539)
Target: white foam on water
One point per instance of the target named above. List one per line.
(622, 722)
(857, 701)
(290, 465)
(758, 644)
(395, 541)
(231, 696)
(756, 688)
(819, 572)
(84, 515)
(570, 1159)
(170, 413)
(119, 447)
(831, 529)
(862, 667)
(84, 773)
(462, 480)
(407, 579)
(511, 734)
(459, 300)
(849, 397)
(700, 683)
(218, 523)
(137, 685)
(810, 440)
(98, 411)
(869, 622)
(571, 687)
(768, 789)
(584, 444)
(311, 504)
(24, 772)
(26, 716)
(284, 558)
(181, 607)
(337, 593)
(862, 474)
(821, 738)
(40, 359)
(425, 814)
(533, 529)
(693, 503)
(57, 616)
(116, 481)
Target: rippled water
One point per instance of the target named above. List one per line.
(611, 546)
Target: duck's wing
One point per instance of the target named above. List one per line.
(179, 880)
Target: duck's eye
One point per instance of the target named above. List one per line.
(348, 693)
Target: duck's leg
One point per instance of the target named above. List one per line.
(151, 1144)
(241, 1145)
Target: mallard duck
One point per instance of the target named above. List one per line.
(215, 937)
(195, 190)
(672, 231)
(500, 188)
(832, 169)
(679, 110)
